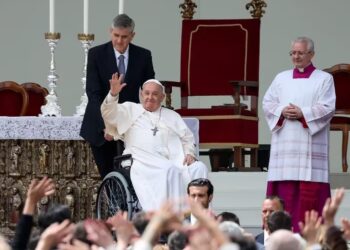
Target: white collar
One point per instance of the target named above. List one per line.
(125, 54)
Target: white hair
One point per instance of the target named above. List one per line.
(303, 39)
(231, 229)
(283, 240)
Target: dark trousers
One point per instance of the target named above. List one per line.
(105, 154)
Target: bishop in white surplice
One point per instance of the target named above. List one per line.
(161, 144)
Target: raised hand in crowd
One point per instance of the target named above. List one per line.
(124, 229)
(36, 191)
(201, 239)
(208, 222)
(98, 233)
(346, 228)
(331, 207)
(165, 219)
(310, 228)
(56, 233)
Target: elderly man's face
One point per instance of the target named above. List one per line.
(301, 57)
(151, 96)
(121, 37)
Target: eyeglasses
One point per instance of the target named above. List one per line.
(298, 53)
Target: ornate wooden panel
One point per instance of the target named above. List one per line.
(69, 162)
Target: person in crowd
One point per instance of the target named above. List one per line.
(283, 240)
(227, 216)
(177, 240)
(201, 191)
(298, 107)
(161, 144)
(135, 65)
(205, 235)
(279, 220)
(55, 213)
(37, 190)
(270, 204)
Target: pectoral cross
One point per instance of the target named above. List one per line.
(155, 130)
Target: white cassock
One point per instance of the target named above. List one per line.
(157, 172)
(299, 153)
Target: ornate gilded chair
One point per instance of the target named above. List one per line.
(36, 95)
(221, 58)
(341, 120)
(13, 99)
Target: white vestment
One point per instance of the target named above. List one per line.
(299, 153)
(157, 172)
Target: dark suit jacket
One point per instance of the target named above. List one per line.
(101, 65)
(260, 238)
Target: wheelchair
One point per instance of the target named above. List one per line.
(116, 192)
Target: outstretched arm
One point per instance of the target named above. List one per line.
(36, 191)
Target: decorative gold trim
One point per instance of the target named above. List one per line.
(188, 9)
(221, 117)
(213, 26)
(53, 36)
(226, 145)
(257, 5)
(86, 37)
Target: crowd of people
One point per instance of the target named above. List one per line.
(195, 227)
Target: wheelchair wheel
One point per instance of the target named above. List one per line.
(113, 196)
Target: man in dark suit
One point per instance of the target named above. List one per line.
(270, 205)
(131, 61)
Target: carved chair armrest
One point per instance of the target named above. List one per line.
(237, 85)
(342, 111)
(168, 86)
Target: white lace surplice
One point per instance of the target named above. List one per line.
(299, 153)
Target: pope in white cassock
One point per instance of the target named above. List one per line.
(298, 108)
(161, 144)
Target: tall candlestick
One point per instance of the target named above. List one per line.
(121, 6)
(86, 16)
(52, 16)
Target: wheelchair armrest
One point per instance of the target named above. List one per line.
(118, 161)
(122, 157)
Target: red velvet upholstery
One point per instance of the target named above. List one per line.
(234, 45)
(341, 121)
(213, 54)
(36, 95)
(13, 99)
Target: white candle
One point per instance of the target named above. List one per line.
(86, 16)
(52, 16)
(121, 6)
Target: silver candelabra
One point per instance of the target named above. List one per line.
(51, 108)
(86, 41)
